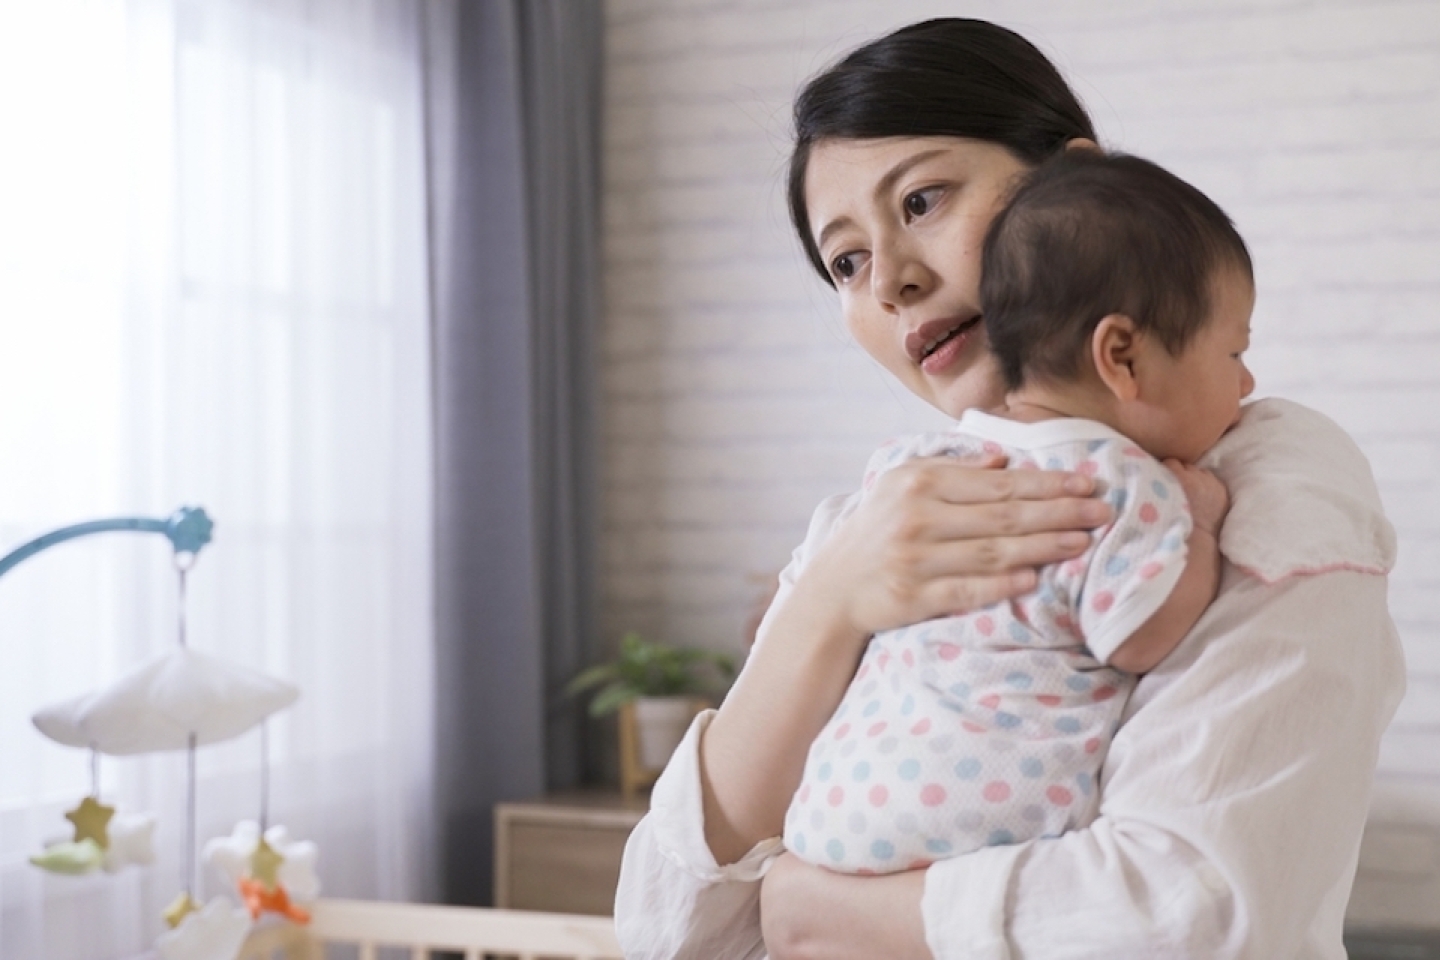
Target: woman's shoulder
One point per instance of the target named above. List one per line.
(1303, 498)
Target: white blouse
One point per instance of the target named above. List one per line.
(1232, 798)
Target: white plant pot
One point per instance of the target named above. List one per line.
(660, 725)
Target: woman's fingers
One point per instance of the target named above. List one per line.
(993, 556)
(940, 521)
(954, 480)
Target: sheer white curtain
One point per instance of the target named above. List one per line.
(213, 291)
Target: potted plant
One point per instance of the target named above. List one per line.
(657, 689)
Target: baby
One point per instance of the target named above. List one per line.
(1117, 300)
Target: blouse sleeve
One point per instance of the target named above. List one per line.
(674, 902)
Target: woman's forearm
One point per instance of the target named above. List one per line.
(753, 752)
(809, 913)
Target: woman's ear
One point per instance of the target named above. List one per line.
(1114, 347)
(1082, 143)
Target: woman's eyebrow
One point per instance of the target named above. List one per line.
(882, 186)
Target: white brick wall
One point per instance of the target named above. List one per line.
(734, 402)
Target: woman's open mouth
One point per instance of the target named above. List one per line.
(937, 344)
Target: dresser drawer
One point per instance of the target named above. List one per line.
(562, 853)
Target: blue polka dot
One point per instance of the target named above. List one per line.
(862, 771)
(882, 850)
(1094, 445)
(798, 842)
(1161, 491)
(824, 772)
(907, 706)
(1019, 680)
(1082, 780)
(1006, 721)
(1078, 682)
(937, 845)
(1116, 566)
(967, 769)
(960, 691)
(909, 769)
(1172, 543)
(1118, 498)
(1000, 838)
(1067, 725)
(1054, 463)
(1018, 633)
(1032, 767)
(870, 708)
(836, 850)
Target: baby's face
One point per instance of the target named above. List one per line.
(1202, 387)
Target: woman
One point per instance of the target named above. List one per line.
(1233, 795)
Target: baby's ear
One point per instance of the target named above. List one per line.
(1114, 347)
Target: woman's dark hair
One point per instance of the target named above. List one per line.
(949, 77)
(1087, 235)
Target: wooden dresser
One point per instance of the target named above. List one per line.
(561, 852)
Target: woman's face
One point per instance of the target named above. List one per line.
(900, 222)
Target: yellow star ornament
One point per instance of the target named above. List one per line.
(265, 864)
(92, 821)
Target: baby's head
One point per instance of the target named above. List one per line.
(1113, 289)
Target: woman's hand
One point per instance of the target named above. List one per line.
(808, 912)
(937, 536)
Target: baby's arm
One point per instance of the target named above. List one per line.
(1198, 583)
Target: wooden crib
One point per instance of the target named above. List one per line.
(473, 932)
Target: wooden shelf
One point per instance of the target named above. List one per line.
(561, 852)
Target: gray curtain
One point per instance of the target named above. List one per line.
(514, 133)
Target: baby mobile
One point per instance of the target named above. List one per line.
(180, 700)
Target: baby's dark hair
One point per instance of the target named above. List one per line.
(1089, 234)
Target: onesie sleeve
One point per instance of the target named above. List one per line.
(1138, 558)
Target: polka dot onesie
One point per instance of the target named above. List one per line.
(989, 728)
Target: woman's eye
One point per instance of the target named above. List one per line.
(920, 202)
(844, 266)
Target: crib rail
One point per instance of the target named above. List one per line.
(473, 932)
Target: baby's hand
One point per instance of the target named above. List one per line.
(1209, 500)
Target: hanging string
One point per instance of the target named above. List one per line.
(264, 776)
(183, 563)
(94, 772)
(187, 867)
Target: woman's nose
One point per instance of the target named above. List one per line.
(899, 278)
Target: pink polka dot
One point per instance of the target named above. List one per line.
(864, 669)
(804, 793)
(842, 731)
(909, 658)
(990, 446)
(878, 796)
(882, 660)
(948, 651)
(1102, 694)
(932, 794)
(1103, 601)
(921, 728)
(985, 624)
(1092, 744)
(990, 700)
(1048, 699)
(836, 796)
(971, 726)
(1148, 513)
(996, 791)
(1088, 467)
(1059, 796)
(1149, 570)
(876, 729)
